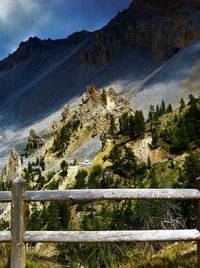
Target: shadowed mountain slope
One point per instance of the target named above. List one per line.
(140, 52)
(41, 84)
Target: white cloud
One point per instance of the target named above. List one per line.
(19, 19)
(10, 9)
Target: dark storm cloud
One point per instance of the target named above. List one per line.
(20, 19)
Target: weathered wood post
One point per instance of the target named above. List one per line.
(18, 253)
(198, 223)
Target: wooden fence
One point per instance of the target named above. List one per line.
(18, 236)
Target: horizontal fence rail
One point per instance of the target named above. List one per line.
(105, 236)
(111, 236)
(5, 196)
(18, 235)
(5, 236)
(112, 194)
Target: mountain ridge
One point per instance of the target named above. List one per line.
(43, 83)
(34, 45)
(164, 28)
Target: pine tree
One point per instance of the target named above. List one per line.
(192, 100)
(169, 108)
(192, 169)
(37, 161)
(52, 215)
(64, 168)
(94, 177)
(64, 214)
(112, 129)
(42, 163)
(64, 165)
(40, 181)
(149, 162)
(154, 143)
(124, 124)
(154, 182)
(151, 116)
(30, 169)
(182, 104)
(157, 113)
(139, 123)
(80, 179)
(162, 108)
(132, 127)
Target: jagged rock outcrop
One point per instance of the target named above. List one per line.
(97, 108)
(65, 114)
(92, 97)
(94, 116)
(34, 141)
(164, 27)
(54, 126)
(109, 98)
(13, 169)
(91, 94)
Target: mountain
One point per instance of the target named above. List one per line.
(52, 76)
(71, 108)
(148, 52)
(164, 28)
(42, 75)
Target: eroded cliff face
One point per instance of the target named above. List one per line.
(13, 169)
(34, 141)
(95, 112)
(164, 27)
(97, 108)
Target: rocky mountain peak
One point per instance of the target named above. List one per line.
(109, 98)
(92, 118)
(13, 169)
(25, 50)
(35, 45)
(78, 37)
(97, 108)
(93, 97)
(91, 94)
(163, 27)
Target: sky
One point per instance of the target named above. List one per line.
(20, 19)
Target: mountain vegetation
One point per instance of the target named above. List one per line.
(150, 52)
(176, 132)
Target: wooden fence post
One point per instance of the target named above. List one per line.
(18, 252)
(198, 222)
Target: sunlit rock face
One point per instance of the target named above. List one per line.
(13, 169)
(96, 109)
